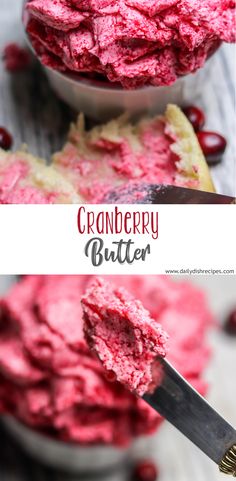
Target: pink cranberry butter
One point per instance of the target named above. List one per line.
(123, 334)
(52, 382)
(131, 43)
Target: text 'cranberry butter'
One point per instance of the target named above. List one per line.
(117, 221)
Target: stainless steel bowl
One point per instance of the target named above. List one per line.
(102, 101)
(59, 455)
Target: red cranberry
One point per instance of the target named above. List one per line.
(5, 139)
(230, 325)
(15, 57)
(195, 116)
(110, 376)
(213, 145)
(145, 471)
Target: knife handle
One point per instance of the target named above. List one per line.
(228, 462)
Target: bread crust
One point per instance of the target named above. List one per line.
(192, 161)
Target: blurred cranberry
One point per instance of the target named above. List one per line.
(15, 57)
(110, 376)
(213, 145)
(196, 116)
(145, 471)
(230, 325)
(5, 139)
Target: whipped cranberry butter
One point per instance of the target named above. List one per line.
(131, 43)
(52, 382)
(25, 179)
(127, 339)
(122, 333)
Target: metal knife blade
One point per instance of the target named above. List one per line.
(190, 413)
(163, 194)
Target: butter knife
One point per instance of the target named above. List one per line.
(163, 194)
(190, 413)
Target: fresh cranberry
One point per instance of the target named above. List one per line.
(230, 325)
(110, 376)
(145, 471)
(195, 116)
(213, 145)
(15, 57)
(5, 139)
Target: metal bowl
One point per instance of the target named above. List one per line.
(60, 455)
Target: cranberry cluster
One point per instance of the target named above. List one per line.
(213, 144)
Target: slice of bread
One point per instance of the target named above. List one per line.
(26, 179)
(159, 150)
(119, 152)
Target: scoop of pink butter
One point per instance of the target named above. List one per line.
(50, 380)
(130, 42)
(122, 333)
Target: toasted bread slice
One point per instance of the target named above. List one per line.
(161, 150)
(25, 179)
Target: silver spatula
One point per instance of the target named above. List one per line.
(183, 407)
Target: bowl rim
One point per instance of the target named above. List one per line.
(75, 79)
(16, 425)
